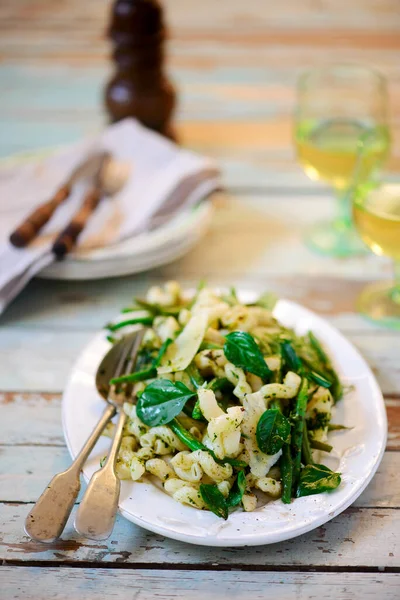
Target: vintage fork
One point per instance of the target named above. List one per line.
(97, 511)
(47, 519)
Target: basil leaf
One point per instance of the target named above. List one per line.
(291, 358)
(161, 401)
(237, 491)
(214, 500)
(273, 430)
(241, 349)
(315, 479)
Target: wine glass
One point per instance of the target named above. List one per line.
(336, 105)
(376, 214)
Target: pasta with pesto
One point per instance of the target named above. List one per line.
(229, 408)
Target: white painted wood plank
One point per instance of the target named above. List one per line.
(31, 419)
(359, 537)
(26, 470)
(40, 359)
(60, 583)
(90, 304)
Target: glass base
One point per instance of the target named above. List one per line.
(380, 303)
(335, 238)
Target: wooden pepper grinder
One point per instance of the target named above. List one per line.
(139, 87)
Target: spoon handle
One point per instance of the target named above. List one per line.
(96, 514)
(47, 519)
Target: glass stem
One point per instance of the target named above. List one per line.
(344, 218)
(396, 288)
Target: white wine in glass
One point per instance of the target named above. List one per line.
(336, 107)
(376, 212)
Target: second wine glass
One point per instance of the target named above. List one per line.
(336, 106)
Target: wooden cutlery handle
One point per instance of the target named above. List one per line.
(68, 237)
(25, 233)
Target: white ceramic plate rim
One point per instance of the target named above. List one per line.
(362, 449)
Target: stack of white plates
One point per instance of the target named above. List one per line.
(133, 255)
(140, 253)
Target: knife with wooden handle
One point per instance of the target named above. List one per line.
(67, 238)
(31, 226)
(28, 230)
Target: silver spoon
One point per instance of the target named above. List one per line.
(47, 519)
(97, 511)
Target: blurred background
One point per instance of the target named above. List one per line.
(235, 66)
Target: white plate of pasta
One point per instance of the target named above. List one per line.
(250, 421)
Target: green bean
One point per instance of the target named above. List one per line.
(195, 376)
(196, 413)
(294, 363)
(320, 446)
(148, 373)
(137, 376)
(185, 436)
(129, 309)
(286, 474)
(336, 389)
(135, 321)
(286, 465)
(193, 444)
(298, 427)
(319, 379)
(337, 427)
(306, 448)
(156, 309)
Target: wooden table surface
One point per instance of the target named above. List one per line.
(235, 64)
